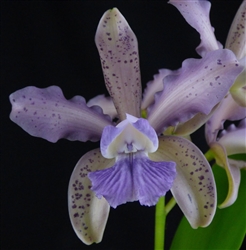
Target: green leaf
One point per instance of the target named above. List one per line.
(228, 227)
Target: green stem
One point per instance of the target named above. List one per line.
(209, 155)
(169, 206)
(160, 221)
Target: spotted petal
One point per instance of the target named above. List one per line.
(88, 214)
(118, 50)
(194, 187)
(199, 86)
(47, 114)
(133, 177)
(196, 13)
(236, 39)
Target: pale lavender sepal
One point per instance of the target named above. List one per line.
(236, 39)
(199, 86)
(227, 110)
(192, 125)
(196, 13)
(47, 114)
(194, 187)
(118, 49)
(232, 172)
(106, 103)
(133, 177)
(88, 214)
(153, 87)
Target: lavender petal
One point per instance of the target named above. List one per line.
(47, 114)
(196, 13)
(227, 110)
(199, 86)
(106, 103)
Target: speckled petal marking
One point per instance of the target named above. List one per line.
(47, 114)
(118, 50)
(199, 86)
(194, 187)
(236, 39)
(88, 214)
(196, 13)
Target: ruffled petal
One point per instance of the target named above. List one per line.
(153, 87)
(199, 86)
(227, 110)
(129, 136)
(194, 187)
(133, 177)
(118, 49)
(47, 114)
(232, 171)
(88, 214)
(236, 39)
(233, 139)
(196, 13)
(106, 103)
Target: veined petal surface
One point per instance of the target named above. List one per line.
(196, 13)
(88, 214)
(133, 177)
(199, 86)
(194, 187)
(227, 110)
(118, 49)
(236, 39)
(47, 114)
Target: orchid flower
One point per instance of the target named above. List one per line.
(135, 160)
(233, 106)
(196, 13)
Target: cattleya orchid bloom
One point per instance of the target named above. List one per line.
(233, 106)
(135, 160)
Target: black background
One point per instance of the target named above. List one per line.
(52, 43)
